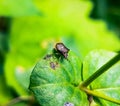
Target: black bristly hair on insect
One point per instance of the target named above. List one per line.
(61, 49)
(48, 56)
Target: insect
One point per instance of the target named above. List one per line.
(62, 49)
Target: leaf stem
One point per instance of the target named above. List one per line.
(101, 70)
(19, 99)
(100, 95)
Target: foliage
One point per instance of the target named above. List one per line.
(19, 8)
(108, 82)
(110, 12)
(37, 25)
(55, 86)
(56, 81)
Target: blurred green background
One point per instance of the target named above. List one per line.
(30, 28)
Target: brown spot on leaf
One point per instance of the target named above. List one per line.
(53, 65)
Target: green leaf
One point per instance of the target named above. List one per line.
(18, 8)
(55, 81)
(23, 76)
(109, 82)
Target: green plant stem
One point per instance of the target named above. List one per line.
(101, 70)
(100, 95)
(19, 99)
